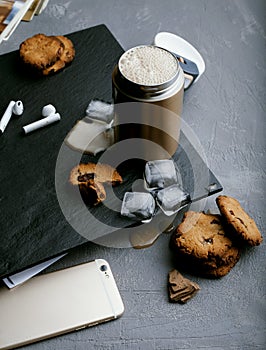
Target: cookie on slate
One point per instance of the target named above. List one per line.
(90, 178)
(244, 226)
(98, 172)
(41, 51)
(201, 242)
(66, 57)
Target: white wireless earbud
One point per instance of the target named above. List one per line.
(18, 108)
(48, 110)
(13, 107)
(50, 116)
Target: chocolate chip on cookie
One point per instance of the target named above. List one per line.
(244, 226)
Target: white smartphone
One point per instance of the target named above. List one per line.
(57, 303)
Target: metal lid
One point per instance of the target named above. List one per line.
(136, 75)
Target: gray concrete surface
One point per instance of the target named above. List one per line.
(226, 110)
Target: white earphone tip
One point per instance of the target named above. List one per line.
(18, 108)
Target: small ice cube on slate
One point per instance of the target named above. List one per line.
(172, 198)
(160, 173)
(138, 205)
(100, 111)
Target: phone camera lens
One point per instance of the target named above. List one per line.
(103, 268)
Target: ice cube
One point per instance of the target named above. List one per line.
(100, 111)
(138, 205)
(160, 173)
(172, 198)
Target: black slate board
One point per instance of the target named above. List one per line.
(31, 223)
(33, 227)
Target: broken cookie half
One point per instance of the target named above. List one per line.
(90, 178)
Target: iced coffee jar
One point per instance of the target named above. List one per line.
(151, 76)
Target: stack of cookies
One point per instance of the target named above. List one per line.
(47, 55)
(210, 244)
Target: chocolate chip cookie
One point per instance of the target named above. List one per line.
(201, 242)
(41, 51)
(90, 178)
(47, 55)
(244, 226)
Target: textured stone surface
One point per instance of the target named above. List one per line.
(226, 110)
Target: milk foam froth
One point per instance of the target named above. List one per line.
(148, 65)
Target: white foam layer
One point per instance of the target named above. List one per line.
(148, 65)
